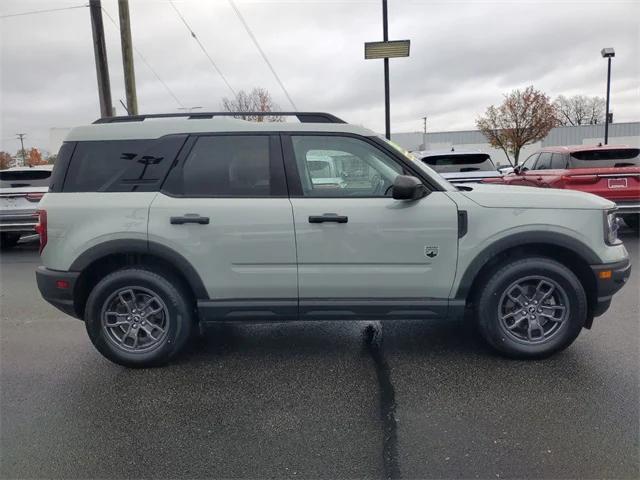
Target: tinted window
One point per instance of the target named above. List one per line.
(228, 165)
(24, 178)
(558, 161)
(333, 166)
(61, 166)
(121, 165)
(544, 161)
(460, 163)
(528, 163)
(619, 157)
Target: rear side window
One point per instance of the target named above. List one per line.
(460, 163)
(121, 165)
(231, 166)
(618, 157)
(24, 178)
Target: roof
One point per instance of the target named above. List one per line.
(159, 127)
(580, 148)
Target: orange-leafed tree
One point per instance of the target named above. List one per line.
(524, 117)
(5, 160)
(34, 157)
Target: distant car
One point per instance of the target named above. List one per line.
(460, 166)
(610, 171)
(21, 188)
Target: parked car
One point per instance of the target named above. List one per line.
(460, 166)
(610, 171)
(151, 227)
(21, 188)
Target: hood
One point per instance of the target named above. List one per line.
(500, 196)
(457, 177)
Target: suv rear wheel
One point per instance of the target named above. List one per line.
(138, 318)
(531, 308)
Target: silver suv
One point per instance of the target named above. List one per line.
(153, 225)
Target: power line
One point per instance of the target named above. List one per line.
(144, 60)
(204, 50)
(33, 12)
(264, 56)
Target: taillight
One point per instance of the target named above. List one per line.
(579, 178)
(41, 228)
(34, 197)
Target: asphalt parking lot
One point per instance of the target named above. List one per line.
(322, 400)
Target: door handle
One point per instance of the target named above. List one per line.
(328, 217)
(189, 218)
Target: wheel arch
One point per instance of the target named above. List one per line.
(106, 257)
(568, 251)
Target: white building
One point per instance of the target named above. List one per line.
(619, 133)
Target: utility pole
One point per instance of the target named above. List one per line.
(385, 37)
(127, 57)
(424, 134)
(100, 52)
(424, 122)
(24, 154)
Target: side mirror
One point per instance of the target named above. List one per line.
(406, 187)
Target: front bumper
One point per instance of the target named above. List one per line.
(54, 290)
(610, 278)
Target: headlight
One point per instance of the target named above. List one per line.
(611, 227)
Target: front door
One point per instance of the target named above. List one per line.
(362, 254)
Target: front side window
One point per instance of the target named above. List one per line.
(558, 161)
(228, 166)
(333, 166)
(528, 163)
(544, 161)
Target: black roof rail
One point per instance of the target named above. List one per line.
(303, 117)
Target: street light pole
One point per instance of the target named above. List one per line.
(607, 53)
(385, 37)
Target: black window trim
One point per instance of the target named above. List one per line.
(291, 166)
(276, 166)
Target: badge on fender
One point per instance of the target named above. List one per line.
(431, 251)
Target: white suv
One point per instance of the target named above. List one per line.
(152, 225)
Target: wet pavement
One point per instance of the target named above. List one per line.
(324, 400)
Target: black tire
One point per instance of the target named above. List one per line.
(9, 240)
(632, 220)
(494, 296)
(176, 316)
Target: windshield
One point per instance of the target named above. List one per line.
(424, 168)
(614, 157)
(471, 162)
(24, 178)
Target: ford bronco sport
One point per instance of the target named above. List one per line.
(152, 225)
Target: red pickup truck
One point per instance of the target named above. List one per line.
(610, 171)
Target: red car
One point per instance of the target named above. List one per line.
(610, 171)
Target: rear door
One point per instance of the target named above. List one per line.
(225, 209)
(362, 254)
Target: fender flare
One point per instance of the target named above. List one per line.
(122, 246)
(522, 239)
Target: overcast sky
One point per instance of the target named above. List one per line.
(464, 56)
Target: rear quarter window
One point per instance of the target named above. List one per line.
(121, 165)
(603, 158)
(24, 178)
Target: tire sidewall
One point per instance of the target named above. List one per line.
(178, 317)
(488, 309)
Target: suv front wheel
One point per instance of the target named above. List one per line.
(531, 308)
(138, 318)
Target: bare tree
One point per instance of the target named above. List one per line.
(524, 117)
(258, 100)
(579, 110)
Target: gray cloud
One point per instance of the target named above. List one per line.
(464, 56)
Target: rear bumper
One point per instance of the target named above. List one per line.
(61, 298)
(19, 222)
(607, 287)
(625, 207)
